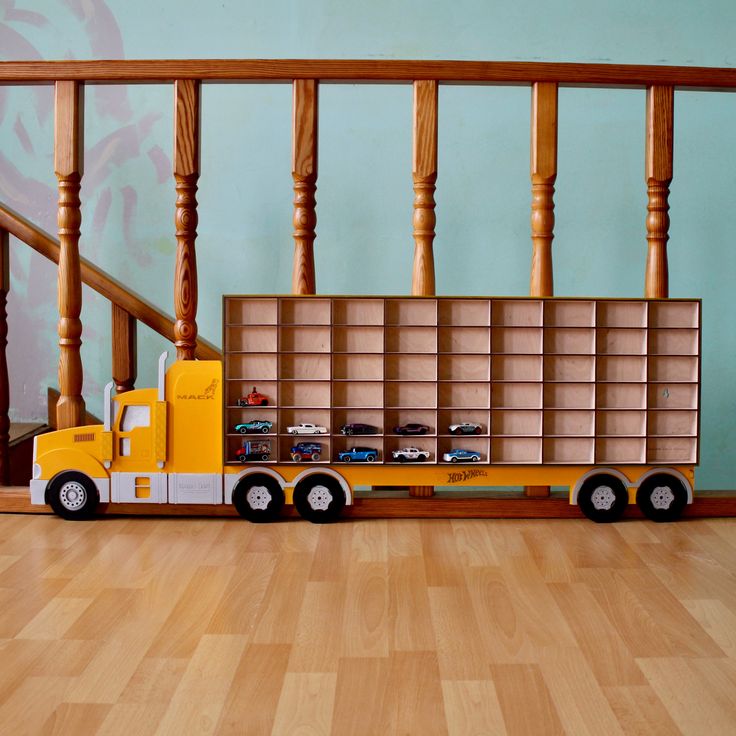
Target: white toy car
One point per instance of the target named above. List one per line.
(465, 428)
(306, 428)
(410, 455)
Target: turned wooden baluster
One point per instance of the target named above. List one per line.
(424, 172)
(186, 174)
(4, 382)
(543, 175)
(68, 150)
(304, 173)
(659, 148)
(124, 349)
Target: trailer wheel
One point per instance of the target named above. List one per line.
(73, 495)
(319, 498)
(258, 497)
(603, 498)
(662, 497)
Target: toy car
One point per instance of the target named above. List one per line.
(410, 455)
(460, 456)
(254, 451)
(254, 426)
(465, 428)
(411, 428)
(358, 455)
(306, 451)
(253, 399)
(358, 428)
(306, 428)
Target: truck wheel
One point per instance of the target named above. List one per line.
(243, 430)
(264, 402)
(241, 458)
(371, 458)
(258, 497)
(347, 458)
(662, 497)
(475, 458)
(264, 430)
(603, 498)
(453, 459)
(315, 456)
(319, 498)
(72, 495)
(296, 457)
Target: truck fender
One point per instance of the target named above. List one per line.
(574, 490)
(51, 463)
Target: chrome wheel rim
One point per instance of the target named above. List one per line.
(319, 498)
(73, 495)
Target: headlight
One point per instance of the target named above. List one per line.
(36, 471)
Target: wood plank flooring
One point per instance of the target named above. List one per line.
(400, 626)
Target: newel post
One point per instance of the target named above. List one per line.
(124, 349)
(186, 174)
(4, 382)
(304, 173)
(658, 174)
(68, 153)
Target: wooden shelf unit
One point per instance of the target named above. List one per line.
(554, 381)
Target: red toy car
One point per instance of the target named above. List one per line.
(253, 399)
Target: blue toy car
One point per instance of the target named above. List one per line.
(306, 451)
(461, 456)
(358, 455)
(254, 426)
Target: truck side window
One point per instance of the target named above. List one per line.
(135, 416)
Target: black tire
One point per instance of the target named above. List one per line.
(258, 498)
(402, 458)
(475, 458)
(243, 430)
(662, 497)
(242, 458)
(457, 430)
(73, 496)
(423, 431)
(240, 402)
(293, 431)
(264, 402)
(296, 457)
(477, 430)
(603, 498)
(347, 458)
(264, 430)
(348, 431)
(453, 459)
(371, 458)
(422, 458)
(319, 498)
(315, 456)
(264, 457)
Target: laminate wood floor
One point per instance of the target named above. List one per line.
(191, 626)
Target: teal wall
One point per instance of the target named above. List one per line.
(364, 242)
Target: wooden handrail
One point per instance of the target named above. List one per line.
(370, 70)
(101, 282)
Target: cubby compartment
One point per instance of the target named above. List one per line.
(673, 396)
(305, 394)
(288, 444)
(411, 367)
(516, 422)
(343, 444)
(672, 450)
(673, 342)
(621, 342)
(464, 340)
(516, 340)
(299, 339)
(516, 368)
(357, 311)
(566, 422)
(260, 447)
(577, 450)
(464, 367)
(620, 450)
(569, 340)
(448, 417)
(673, 368)
(516, 450)
(290, 417)
(668, 422)
(621, 396)
(464, 312)
(373, 417)
(569, 396)
(619, 368)
(251, 311)
(239, 389)
(517, 396)
(473, 444)
(357, 394)
(357, 339)
(400, 417)
(516, 313)
(464, 395)
(305, 366)
(357, 367)
(571, 368)
(411, 340)
(254, 339)
(394, 443)
(620, 423)
(572, 313)
(673, 313)
(411, 311)
(621, 314)
(305, 311)
(411, 394)
(252, 367)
